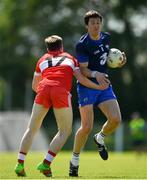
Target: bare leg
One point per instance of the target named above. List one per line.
(64, 119)
(37, 116)
(112, 111)
(86, 127)
(81, 136)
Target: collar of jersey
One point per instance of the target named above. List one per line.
(55, 52)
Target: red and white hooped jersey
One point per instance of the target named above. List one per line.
(57, 69)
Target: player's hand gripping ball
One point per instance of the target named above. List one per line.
(114, 58)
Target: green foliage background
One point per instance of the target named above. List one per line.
(25, 24)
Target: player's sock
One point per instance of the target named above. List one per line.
(75, 159)
(100, 138)
(21, 157)
(19, 168)
(49, 157)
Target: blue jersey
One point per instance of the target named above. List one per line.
(94, 52)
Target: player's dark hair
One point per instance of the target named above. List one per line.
(92, 14)
(54, 43)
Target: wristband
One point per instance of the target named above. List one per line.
(93, 74)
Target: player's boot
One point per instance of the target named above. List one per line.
(73, 170)
(101, 148)
(19, 170)
(44, 169)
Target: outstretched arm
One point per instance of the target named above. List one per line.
(101, 78)
(86, 82)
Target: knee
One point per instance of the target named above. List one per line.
(115, 120)
(86, 129)
(65, 133)
(69, 131)
(31, 131)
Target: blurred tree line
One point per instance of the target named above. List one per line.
(25, 24)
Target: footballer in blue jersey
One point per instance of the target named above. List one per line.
(94, 52)
(91, 51)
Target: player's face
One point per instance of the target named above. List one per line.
(94, 26)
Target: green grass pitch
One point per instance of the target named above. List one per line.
(118, 166)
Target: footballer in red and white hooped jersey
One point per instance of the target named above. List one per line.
(56, 68)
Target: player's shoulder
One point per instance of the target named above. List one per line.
(69, 56)
(82, 42)
(66, 54)
(83, 39)
(105, 34)
(43, 57)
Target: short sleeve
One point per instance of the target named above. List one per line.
(76, 64)
(81, 53)
(37, 69)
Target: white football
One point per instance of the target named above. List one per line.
(114, 58)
